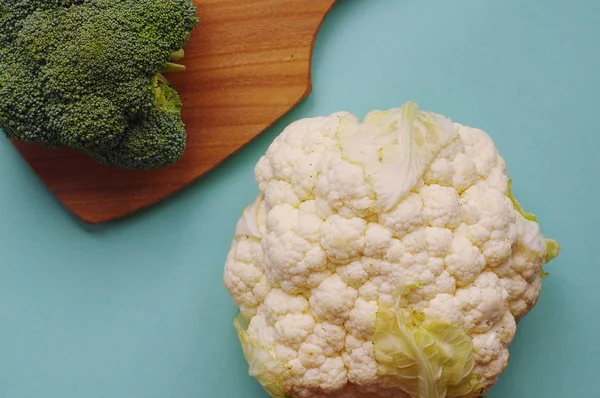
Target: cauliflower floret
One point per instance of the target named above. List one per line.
(368, 238)
(464, 260)
(360, 359)
(293, 258)
(406, 217)
(343, 239)
(244, 277)
(332, 300)
(343, 187)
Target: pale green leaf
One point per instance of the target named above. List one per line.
(395, 148)
(552, 249)
(263, 365)
(424, 359)
(517, 205)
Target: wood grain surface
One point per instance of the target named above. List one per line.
(248, 64)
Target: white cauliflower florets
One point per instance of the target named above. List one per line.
(404, 212)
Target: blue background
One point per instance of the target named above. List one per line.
(137, 309)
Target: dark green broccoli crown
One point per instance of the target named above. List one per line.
(83, 74)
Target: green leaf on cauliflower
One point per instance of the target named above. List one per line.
(425, 359)
(396, 147)
(552, 249)
(517, 205)
(263, 365)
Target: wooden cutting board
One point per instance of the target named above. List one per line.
(248, 64)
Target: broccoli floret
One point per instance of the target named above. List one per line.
(87, 74)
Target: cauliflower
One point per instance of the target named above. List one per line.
(382, 258)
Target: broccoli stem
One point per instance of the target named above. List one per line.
(177, 55)
(161, 79)
(171, 67)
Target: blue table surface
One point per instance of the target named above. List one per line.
(137, 308)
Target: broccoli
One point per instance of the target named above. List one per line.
(87, 74)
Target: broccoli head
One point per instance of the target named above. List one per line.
(87, 74)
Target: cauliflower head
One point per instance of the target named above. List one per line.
(382, 258)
